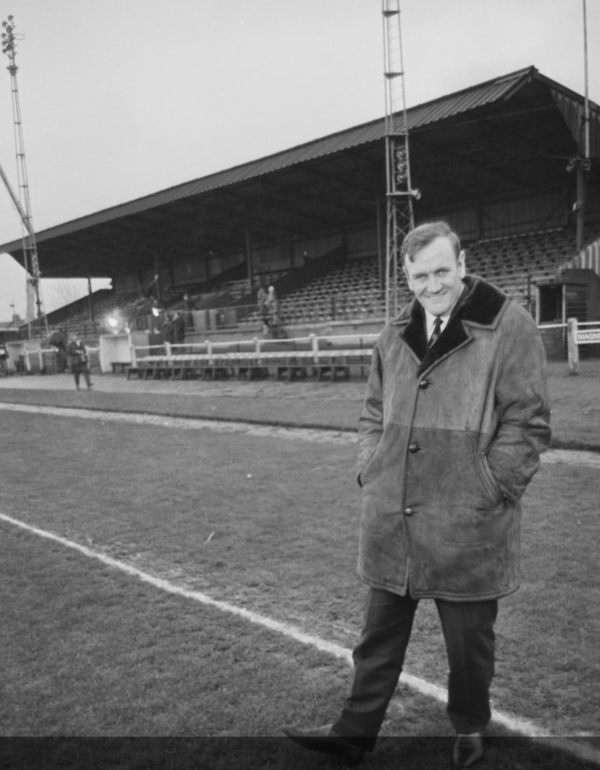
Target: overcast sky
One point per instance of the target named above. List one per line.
(122, 98)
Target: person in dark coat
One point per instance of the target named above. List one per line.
(454, 420)
(3, 359)
(59, 339)
(79, 362)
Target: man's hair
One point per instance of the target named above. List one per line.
(424, 234)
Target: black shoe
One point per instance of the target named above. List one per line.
(468, 749)
(324, 739)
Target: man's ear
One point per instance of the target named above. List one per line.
(462, 268)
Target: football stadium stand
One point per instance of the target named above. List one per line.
(498, 161)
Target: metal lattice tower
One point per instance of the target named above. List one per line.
(30, 256)
(399, 191)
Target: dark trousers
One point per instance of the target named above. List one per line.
(468, 629)
(78, 371)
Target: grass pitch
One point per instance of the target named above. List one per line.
(268, 524)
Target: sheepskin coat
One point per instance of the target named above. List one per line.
(449, 439)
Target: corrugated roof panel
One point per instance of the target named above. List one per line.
(418, 117)
(463, 101)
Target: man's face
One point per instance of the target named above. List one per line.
(435, 275)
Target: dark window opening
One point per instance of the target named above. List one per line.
(550, 304)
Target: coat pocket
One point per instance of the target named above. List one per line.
(488, 479)
(365, 473)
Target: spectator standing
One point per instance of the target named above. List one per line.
(261, 302)
(178, 327)
(168, 328)
(272, 309)
(188, 306)
(454, 419)
(154, 288)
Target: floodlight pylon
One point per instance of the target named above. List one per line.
(399, 191)
(30, 255)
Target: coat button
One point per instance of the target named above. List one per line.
(424, 383)
(409, 511)
(413, 448)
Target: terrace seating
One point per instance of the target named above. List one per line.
(517, 262)
(352, 291)
(349, 291)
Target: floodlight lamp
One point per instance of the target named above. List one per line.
(155, 312)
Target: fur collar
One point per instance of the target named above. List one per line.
(481, 304)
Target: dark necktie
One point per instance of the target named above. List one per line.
(437, 330)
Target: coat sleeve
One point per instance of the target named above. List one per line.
(522, 406)
(370, 422)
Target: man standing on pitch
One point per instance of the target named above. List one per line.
(79, 361)
(454, 419)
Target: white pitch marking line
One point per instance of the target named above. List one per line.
(193, 423)
(318, 435)
(511, 723)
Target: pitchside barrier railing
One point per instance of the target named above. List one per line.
(289, 359)
(324, 357)
(45, 360)
(580, 333)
